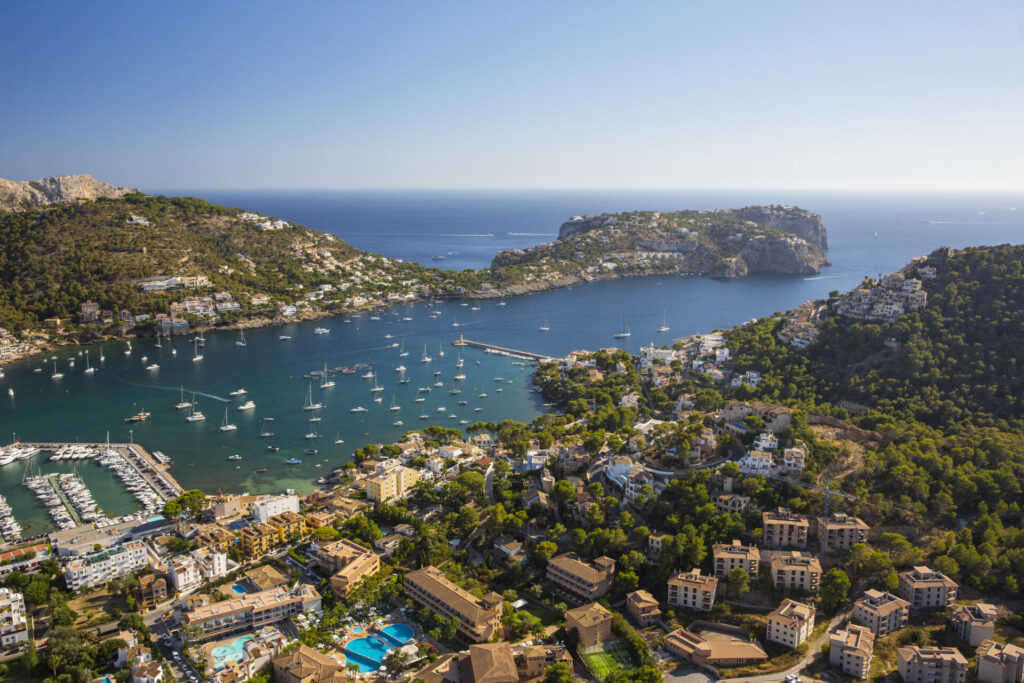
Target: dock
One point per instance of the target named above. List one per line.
(503, 350)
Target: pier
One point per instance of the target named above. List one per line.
(503, 351)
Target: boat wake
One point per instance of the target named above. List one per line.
(175, 389)
(532, 234)
(821, 277)
(453, 234)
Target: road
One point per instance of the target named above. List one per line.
(489, 483)
(180, 667)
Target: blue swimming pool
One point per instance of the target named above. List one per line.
(238, 588)
(368, 653)
(223, 654)
(357, 629)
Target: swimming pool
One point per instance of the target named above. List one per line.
(368, 653)
(357, 629)
(222, 654)
(239, 588)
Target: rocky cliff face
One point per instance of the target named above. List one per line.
(577, 225)
(29, 194)
(783, 256)
(804, 224)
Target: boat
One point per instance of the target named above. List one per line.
(312, 433)
(241, 338)
(438, 257)
(397, 423)
(459, 377)
(374, 317)
(394, 406)
(88, 368)
(311, 451)
(182, 403)
(376, 386)
(478, 410)
(238, 392)
(264, 432)
(440, 351)
(400, 368)
(324, 382)
(143, 359)
(425, 358)
(309, 400)
(455, 391)
(56, 375)
(127, 348)
(462, 403)
(321, 330)
(338, 440)
(236, 456)
(248, 405)
(545, 327)
(499, 379)
(193, 414)
(196, 356)
(282, 337)
(138, 417)
(455, 323)
(358, 409)
(442, 409)
(226, 425)
(483, 396)
(152, 366)
(664, 322)
(293, 461)
(273, 449)
(502, 302)
(200, 339)
(10, 392)
(458, 363)
(402, 353)
(261, 470)
(463, 422)
(424, 417)
(387, 336)
(624, 332)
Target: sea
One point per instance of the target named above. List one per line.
(869, 234)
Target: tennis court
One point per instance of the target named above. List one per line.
(608, 660)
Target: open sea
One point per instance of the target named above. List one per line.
(868, 235)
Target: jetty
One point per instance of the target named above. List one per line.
(503, 350)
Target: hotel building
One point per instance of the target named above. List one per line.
(478, 618)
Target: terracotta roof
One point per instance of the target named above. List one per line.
(589, 615)
(266, 577)
(433, 581)
(792, 611)
(304, 662)
(575, 565)
(489, 663)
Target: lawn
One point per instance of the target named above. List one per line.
(96, 607)
(609, 660)
(547, 616)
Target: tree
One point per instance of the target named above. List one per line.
(737, 583)
(559, 672)
(544, 551)
(835, 589)
(326, 534)
(563, 492)
(37, 592)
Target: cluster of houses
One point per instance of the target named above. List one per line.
(893, 296)
(262, 222)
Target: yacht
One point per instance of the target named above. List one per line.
(455, 323)
(440, 351)
(138, 417)
(273, 449)
(483, 396)
(264, 432)
(238, 392)
(376, 386)
(358, 409)
(311, 451)
(152, 366)
(402, 353)
(425, 358)
(458, 363)
(241, 338)
(459, 377)
(309, 400)
(56, 375)
(420, 399)
(462, 403)
(624, 332)
(664, 322)
(88, 368)
(455, 391)
(394, 406)
(324, 382)
(545, 327)
(158, 345)
(127, 348)
(397, 423)
(293, 461)
(424, 417)
(236, 456)
(338, 440)
(400, 368)
(312, 433)
(321, 330)
(226, 425)
(248, 405)
(442, 409)
(200, 339)
(196, 356)
(193, 414)
(502, 302)
(283, 337)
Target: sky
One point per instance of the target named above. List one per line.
(413, 94)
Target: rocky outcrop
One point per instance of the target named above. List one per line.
(577, 225)
(30, 194)
(783, 256)
(804, 224)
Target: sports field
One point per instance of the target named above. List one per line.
(603, 662)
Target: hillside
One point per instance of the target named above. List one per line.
(723, 244)
(63, 189)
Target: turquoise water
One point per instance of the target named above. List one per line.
(223, 654)
(357, 629)
(369, 653)
(238, 588)
(397, 634)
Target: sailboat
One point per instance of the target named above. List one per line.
(338, 440)
(127, 348)
(458, 363)
(309, 400)
(241, 338)
(394, 406)
(425, 358)
(402, 353)
(194, 415)
(196, 356)
(545, 327)
(312, 433)
(56, 375)
(624, 332)
(182, 403)
(502, 302)
(376, 385)
(324, 382)
(440, 351)
(402, 379)
(158, 344)
(455, 323)
(664, 322)
(88, 368)
(226, 425)
(264, 432)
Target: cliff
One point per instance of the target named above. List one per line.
(18, 195)
(804, 224)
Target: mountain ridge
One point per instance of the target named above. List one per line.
(22, 195)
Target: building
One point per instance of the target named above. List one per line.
(250, 611)
(212, 564)
(883, 613)
(644, 609)
(974, 623)
(735, 556)
(290, 526)
(840, 531)
(533, 660)
(927, 589)
(265, 578)
(183, 571)
(258, 538)
(715, 652)
(784, 529)
(797, 572)
(999, 663)
(790, 623)
(850, 650)
(13, 625)
(654, 543)
(347, 563)
(478, 618)
(268, 507)
(692, 590)
(931, 665)
(731, 502)
(96, 569)
(592, 624)
(306, 665)
(489, 663)
(581, 579)
(152, 591)
(392, 481)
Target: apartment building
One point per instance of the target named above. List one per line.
(784, 529)
(644, 609)
(716, 652)
(927, 589)
(478, 618)
(98, 568)
(250, 611)
(850, 650)
(839, 531)
(729, 556)
(13, 625)
(152, 591)
(389, 482)
(271, 506)
(692, 590)
(347, 563)
(731, 502)
(289, 526)
(797, 572)
(973, 623)
(790, 623)
(654, 543)
(999, 663)
(212, 563)
(881, 612)
(305, 665)
(258, 538)
(931, 665)
(592, 623)
(183, 572)
(581, 579)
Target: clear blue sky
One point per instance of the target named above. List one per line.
(774, 94)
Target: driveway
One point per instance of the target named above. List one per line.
(685, 675)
